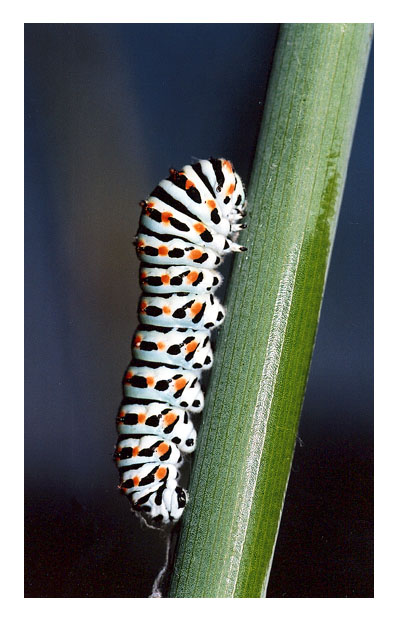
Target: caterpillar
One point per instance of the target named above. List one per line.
(187, 225)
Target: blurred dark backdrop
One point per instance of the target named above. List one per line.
(109, 107)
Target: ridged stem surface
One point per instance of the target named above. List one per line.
(257, 386)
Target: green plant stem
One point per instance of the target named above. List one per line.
(253, 404)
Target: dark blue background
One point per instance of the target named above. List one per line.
(109, 108)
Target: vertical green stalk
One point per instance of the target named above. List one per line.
(253, 404)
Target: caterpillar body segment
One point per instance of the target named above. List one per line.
(157, 419)
(132, 451)
(166, 250)
(197, 311)
(184, 347)
(188, 224)
(161, 218)
(178, 279)
(174, 385)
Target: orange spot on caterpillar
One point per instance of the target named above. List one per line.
(162, 449)
(150, 381)
(160, 345)
(169, 418)
(195, 254)
(196, 307)
(192, 276)
(199, 227)
(211, 204)
(166, 310)
(228, 166)
(143, 306)
(161, 472)
(180, 383)
(136, 481)
(135, 451)
(129, 374)
(141, 417)
(189, 184)
(191, 346)
(137, 342)
(162, 250)
(143, 275)
(166, 217)
(140, 243)
(165, 279)
(231, 189)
